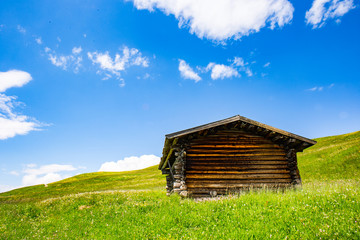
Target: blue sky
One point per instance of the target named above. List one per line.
(95, 85)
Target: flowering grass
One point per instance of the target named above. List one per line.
(321, 210)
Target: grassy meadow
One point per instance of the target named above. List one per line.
(133, 205)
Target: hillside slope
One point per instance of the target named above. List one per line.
(148, 178)
(332, 158)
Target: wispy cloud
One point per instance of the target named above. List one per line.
(130, 163)
(112, 67)
(320, 88)
(71, 61)
(222, 20)
(313, 89)
(242, 66)
(267, 64)
(38, 40)
(187, 72)
(217, 70)
(221, 71)
(21, 29)
(12, 123)
(323, 10)
(45, 174)
(76, 50)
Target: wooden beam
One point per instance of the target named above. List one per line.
(167, 158)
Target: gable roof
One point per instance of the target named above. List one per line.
(234, 119)
(281, 136)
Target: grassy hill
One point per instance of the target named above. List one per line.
(133, 205)
(144, 179)
(335, 157)
(332, 158)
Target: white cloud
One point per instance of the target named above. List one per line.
(140, 61)
(242, 66)
(217, 71)
(59, 61)
(130, 163)
(320, 88)
(323, 10)
(51, 168)
(45, 174)
(66, 61)
(222, 20)
(38, 40)
(239, 61)
(11, 123)
(316, 89)
(112, 67)
(187, 72)
(221, 71)
(13, 78)
(21, 29)
(267, 64)
(76, 50)
(146, 76)
(59, 39)
(248, 72)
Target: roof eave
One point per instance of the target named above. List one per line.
(234, 119)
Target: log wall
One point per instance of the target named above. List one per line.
(232, 160)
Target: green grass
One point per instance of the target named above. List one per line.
(133, 205)
(335, 157)
(145, 179)
(318, 211)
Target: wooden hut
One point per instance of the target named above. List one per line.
(230, 155)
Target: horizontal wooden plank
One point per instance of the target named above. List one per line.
(235, 167)
(226, 145)
(236, 176)
(238, 163)
(258, 151)
(231, 134)
(245, 171)
(233, 181)
(228, 139)
(235, 154)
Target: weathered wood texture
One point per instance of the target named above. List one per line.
(233, 160)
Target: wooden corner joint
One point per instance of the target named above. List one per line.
(293, 168)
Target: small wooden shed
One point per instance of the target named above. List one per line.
(230, 155)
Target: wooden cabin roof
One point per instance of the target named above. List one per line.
(279, 136)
